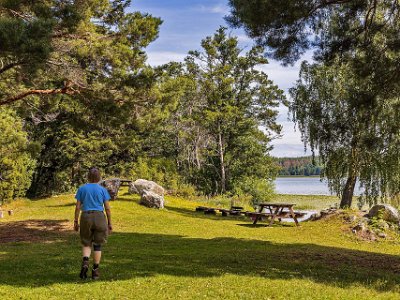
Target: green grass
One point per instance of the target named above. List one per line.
(176, 253)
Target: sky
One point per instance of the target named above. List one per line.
(186, 23)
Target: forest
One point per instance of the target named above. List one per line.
(299, 166)
(76, 91)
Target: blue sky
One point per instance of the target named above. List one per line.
(186, 23)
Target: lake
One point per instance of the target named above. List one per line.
(304, 186)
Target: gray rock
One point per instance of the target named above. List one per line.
(151, 199)
(112, 186)
(350, 219)
(132, 189)
(390, 214)
(142, 185)
(360, 227)
(382, 235)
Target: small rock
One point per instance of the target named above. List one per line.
(382, 235)
(350, 219)
(360, 227)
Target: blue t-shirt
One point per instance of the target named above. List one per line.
(92, 196)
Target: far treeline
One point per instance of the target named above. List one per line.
(299, 166)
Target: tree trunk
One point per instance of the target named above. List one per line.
(221, 159)
(348, 192)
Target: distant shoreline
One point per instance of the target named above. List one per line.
(298, 176)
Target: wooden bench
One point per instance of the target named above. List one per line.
(207, 210)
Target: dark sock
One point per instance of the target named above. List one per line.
(85, 258)
(95, 266)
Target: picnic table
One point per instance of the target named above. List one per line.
(276, 211)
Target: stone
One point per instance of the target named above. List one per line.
(390, 214)
(350, 219)
(151, 199)
(382, 235)
(142, 185)
(112, 186)
(360, 227)
(132, 189)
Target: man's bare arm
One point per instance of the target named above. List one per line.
(77, 212)
(108, 213)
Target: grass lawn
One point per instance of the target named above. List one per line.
(177, 253)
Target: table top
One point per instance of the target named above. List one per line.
(277, 204)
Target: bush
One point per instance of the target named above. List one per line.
(160, 170)
(186, 190)
(260, 190)
(16, 163)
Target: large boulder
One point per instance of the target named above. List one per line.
(389, 213)
(112, 186)
(132, 189)
(141, 185)
(151, 199)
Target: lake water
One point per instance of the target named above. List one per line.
(304, 186)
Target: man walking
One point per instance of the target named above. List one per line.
(92, 199)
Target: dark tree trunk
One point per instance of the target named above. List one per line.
(222, 162)
(348, 192)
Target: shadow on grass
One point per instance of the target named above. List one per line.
(55, 258)
(200, 215)
(63, 205)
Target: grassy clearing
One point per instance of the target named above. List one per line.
(177, 253)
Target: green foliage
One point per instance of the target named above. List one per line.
(347, 103)
(90, 99)
(351, 144)
(260, 190)
(16, 163)
(223, 100)
(185, 190)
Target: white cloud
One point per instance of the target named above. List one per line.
(214, 9)
(242, 38)
(156, 58)
(289, 150)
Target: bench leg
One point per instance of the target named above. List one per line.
(274, 216)
(256, 220)
(294, 216)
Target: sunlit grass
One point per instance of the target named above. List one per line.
(177, 253)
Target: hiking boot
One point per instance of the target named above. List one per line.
(84, 269)
(95, 273)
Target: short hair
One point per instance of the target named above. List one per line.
(94, 175)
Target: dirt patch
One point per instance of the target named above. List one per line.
(34, 231)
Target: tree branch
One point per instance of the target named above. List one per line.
(17, 14)
(68, 90)
(9, 66)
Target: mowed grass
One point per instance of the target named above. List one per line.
(176, 253)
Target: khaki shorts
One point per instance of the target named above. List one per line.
(93, 228)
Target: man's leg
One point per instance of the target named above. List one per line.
(86, 250)
(96, 261)
(96, 254)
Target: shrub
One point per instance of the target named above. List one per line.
(16, 163)
(260, 190)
